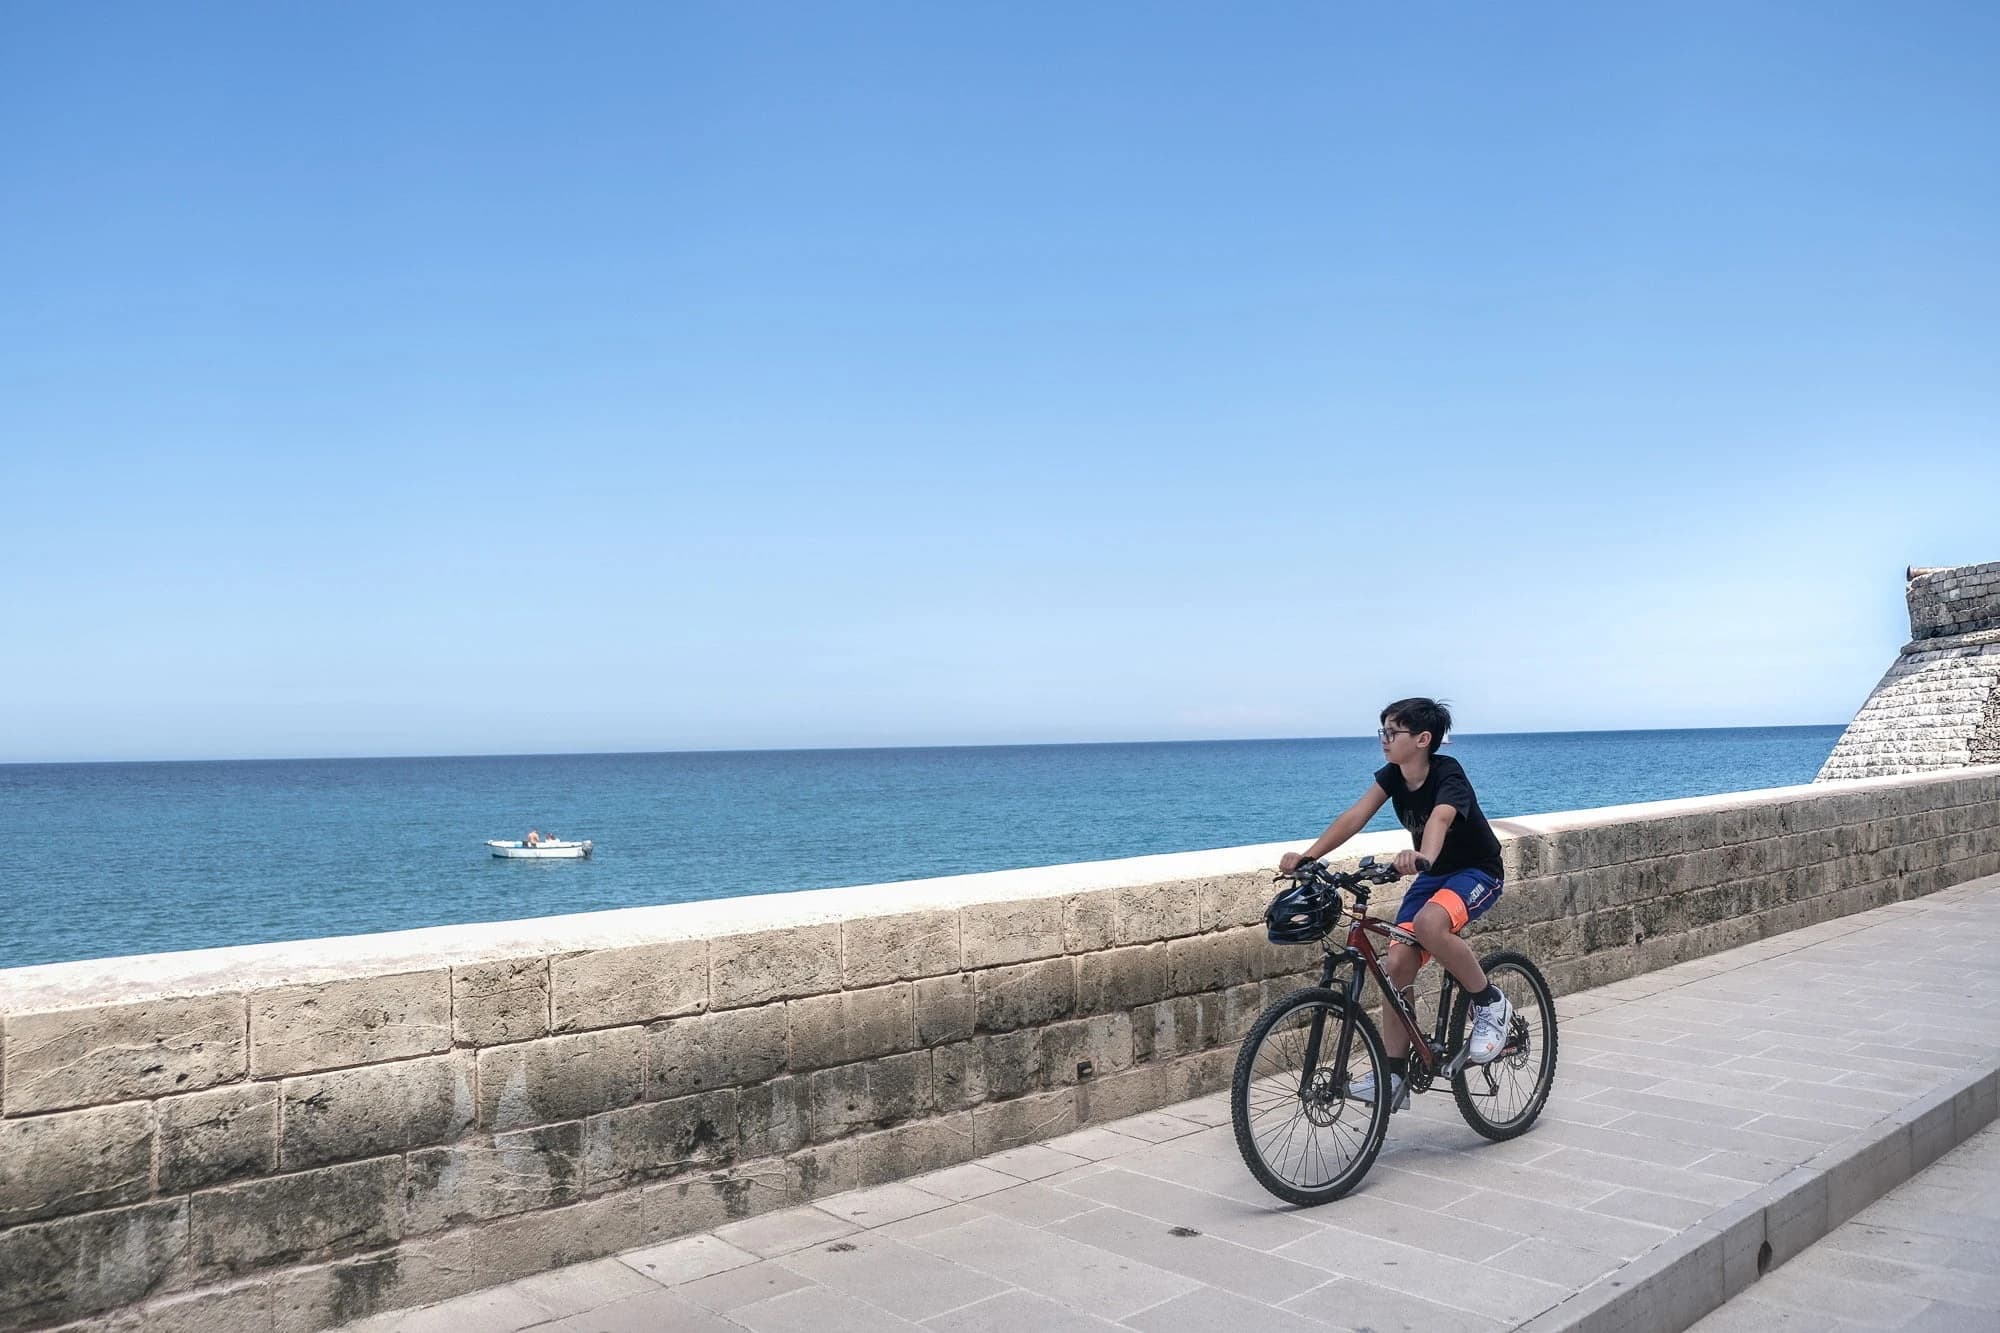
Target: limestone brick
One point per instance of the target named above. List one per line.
(1121, 978)
(720, 1049)
(299, 1029)
(499, 1002)
(852, 1025)
(947, 1009)
(1120, 1095)
(607, 988)
(73, 1267)
(1232, 900)
(705, 1202)
(121, 1052)
(1090, 921)
(560, 1078)
(1104, 1043)
(871, 1095)
(773, 965)
(418, 1271)
(306, 1215)
(1025, 995)
(374, 1110)
(775, 1118)
(656, 1139)
(1004, 1064)
(1009, 1124)
(75, 1161)
(240, 1307)
(879, 949)
(492, 1177)
(518, 1247)
(992, 934)
(223, 1134)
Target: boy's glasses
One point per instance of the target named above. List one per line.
(1383, 734)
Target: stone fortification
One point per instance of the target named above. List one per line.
(1939, 705)
(284, 1137)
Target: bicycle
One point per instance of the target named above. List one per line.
(1285, 1082)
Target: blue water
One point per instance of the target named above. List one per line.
(107, 859)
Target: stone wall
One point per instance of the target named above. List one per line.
(284, 1137)
(1938, 707)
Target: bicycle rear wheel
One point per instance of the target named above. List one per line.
(1501, 1098)
(1302, 1132)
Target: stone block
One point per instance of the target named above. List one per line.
(1177, 1027)
(240, 1307)
(852, 1025)
(1214, 961)
(365, 1020)
(912, 1149)
(871, 1095)
(122, 1052)
(1862, 1169)
(1199, 1074)
(774, 1118)
(494, 1177)
(207, 1138)
(416, 1272)
(496, 1003)
(1120, 1095)
(518, 1247)
(1794, 1212)
(74, 1267)
(1152, 912)
(308, 1215)
(823, 1169)
(1104, 1043)
(1005, 1064)
(1121, 979)
(1090, 921)
(560, 1078)
(1044, 1115)
(608, 988)
(947, 1009)
(1025, 995)
(379, 1109)
(703, 1203)
(656, 1139)
(75, 1161)
(1232, 900)
(876, 950)
(993, 934)
(773, 965)
(722, 1049)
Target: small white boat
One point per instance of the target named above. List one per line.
(549, 849)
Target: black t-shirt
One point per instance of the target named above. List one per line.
(1469, 843)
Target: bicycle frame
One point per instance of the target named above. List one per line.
(1361, 954)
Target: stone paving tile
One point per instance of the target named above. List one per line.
(1210, 1311)
(1615, 1238)
(1662, 1210)
(781, 1232)
(1037, 1205)
(809, 1310)
(926, 1224)
(881, 1204)
(1208, 1259)
(1155, 1127)
(1427, 1273)
(1019, 1312)
(1031, 1162)
(646, 1313)
(1247, 1224)
(968, 1180)
(1354, 1304)
(903, 1279)
(1551, 1261)
(580, 1287)
(501, 1308)
(686, 1259)
(1095, 1143)
(1080, 1276)
(743, 1286)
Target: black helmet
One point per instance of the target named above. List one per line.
(1303, 913)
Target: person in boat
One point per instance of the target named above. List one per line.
(534, 838)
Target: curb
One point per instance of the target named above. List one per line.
(1677, 1282)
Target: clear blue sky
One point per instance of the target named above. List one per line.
(389, 379)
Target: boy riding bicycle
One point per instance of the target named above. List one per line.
(1459, 881)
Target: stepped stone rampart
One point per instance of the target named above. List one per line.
(285, 1137)
(1939, 705)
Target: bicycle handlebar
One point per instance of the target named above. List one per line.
(1367, 873)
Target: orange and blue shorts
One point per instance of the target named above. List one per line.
(1465, 895)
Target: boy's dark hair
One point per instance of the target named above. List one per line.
(1420, 715)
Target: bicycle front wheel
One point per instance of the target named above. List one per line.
(1501, 1098)
(1302, 1131)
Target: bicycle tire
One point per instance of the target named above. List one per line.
(1256, 1139)
(1519, 979)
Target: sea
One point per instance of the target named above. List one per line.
(122, 858)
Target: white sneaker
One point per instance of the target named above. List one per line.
(1363, 1089)
(1489, 1030)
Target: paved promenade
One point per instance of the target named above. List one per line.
(1685, 1099)
(1926, 1259)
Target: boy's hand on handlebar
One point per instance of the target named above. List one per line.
(1289, 862)
(1409, 863)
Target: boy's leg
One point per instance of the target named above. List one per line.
(1401, 966)
(1433, 927)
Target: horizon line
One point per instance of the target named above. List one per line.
(864, 749)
